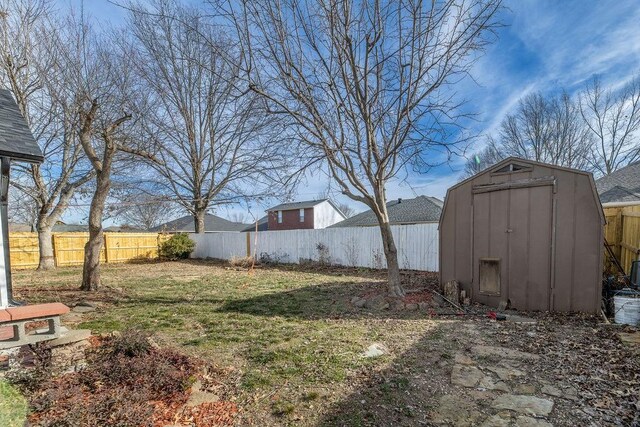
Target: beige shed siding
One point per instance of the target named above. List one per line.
(551, 259)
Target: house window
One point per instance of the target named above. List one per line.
(279, 217)
(301, 215)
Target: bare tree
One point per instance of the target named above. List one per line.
(346, 209)
(544, 129)
(29, 67)
(368, 86)
(238, 217)
(23, 210)
(145, 211)
(478, 162)
(98, 77)
(211, 142)
(613, 117)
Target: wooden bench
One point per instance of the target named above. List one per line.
(14, 322)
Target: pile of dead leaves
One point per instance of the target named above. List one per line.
(591, 357)
(127, 381)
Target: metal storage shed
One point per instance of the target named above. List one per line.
(526, 234)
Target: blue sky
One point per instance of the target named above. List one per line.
(545, 45)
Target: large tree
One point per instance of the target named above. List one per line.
(208, 140)
(367, 85)
(544, 128)
(613, 117)
(30, 61)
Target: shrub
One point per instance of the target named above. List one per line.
(179, 246)
(244, 262)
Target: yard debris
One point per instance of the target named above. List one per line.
(451, 291)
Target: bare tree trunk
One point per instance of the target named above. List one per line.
(198, 218)
(391, 255)
(47, 261)
(91, 268)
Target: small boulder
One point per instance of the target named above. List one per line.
(377, 303)
(376, 350)
(523, 404)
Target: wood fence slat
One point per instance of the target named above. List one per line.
(68, 248)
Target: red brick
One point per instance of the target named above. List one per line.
(4, 316)
(38, 310)
(6, 332)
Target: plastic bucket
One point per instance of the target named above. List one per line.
(627, 307)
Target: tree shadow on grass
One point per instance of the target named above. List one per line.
(324, 300)
(409, 391)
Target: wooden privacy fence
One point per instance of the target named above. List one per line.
(622, 233)
(350, 246)
(68, 248)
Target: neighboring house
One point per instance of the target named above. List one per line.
(263, 225)
(124, 229)
(420, 210)
(211, 223)
(59, 227)
(311, 214)
(622, 187)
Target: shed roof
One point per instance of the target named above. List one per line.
(621, 186)
(299, 205)
(16, 140)
(211, 223)
(401, 211)
(495, 168)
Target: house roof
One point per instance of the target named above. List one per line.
(263, 225)
(620, 186)
(211, 223)
(16, 140)
(401, 211)
(298, 205)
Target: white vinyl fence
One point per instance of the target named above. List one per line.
(354, 246)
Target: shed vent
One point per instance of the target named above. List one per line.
(513, 167)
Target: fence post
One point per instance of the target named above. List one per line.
(248, 244)
(106, 248)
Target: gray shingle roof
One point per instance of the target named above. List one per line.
(296, 205)
(263, 225)
(211, 223)
(622, 185)
(402, 211)
(16, 140)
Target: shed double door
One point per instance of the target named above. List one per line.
(512, 247)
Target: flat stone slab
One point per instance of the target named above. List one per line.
(632, 338)
(523, 421)
(523, 404)
(466, 376)
(502, 353)
(505, 374)
(488, 383)
(83, 309)
(463, 359)
(70, 337)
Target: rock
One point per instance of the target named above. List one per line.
(502, 353)
(496, 421)
(523, 421)
(551, 390)
(377, 303)
(199, 396)
(376, 350)
(83, 309)
(399, 306)
(466, 376)
(436, 300)
(412, 307)
(423, 306)
(70, 337)
(456, 410)
(451, 291)
(505, 374)
(358, 301)
(525, 389)
(488, 384)
(463, 359)
(523, 404)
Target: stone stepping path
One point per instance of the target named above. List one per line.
(498, 382)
